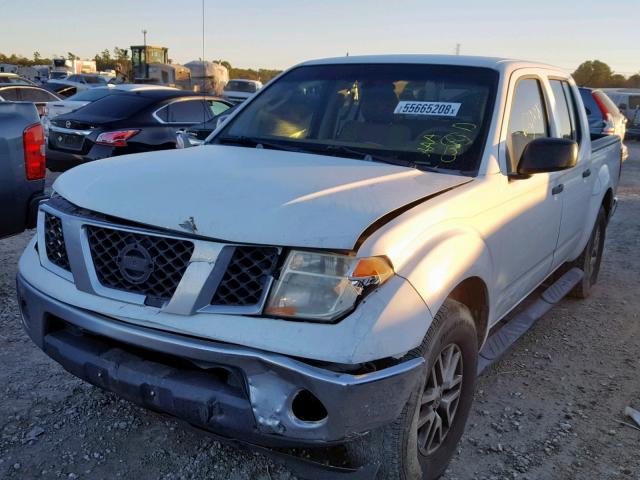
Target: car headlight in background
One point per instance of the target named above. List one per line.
(323, 286)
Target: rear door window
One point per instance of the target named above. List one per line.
(573, 111)
(527, 121)
(562, 112)
(189, 111)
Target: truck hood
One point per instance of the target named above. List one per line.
(250, 195)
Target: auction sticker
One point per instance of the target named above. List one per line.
(442, 109)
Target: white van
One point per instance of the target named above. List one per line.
(628, 101)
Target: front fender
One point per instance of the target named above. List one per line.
(447, 258)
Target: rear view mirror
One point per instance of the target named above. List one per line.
(548, 155)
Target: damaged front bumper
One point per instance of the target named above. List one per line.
(236, 392)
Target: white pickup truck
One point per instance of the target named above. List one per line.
(327, 268)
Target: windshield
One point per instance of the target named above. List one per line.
(238, 86)
(425, 115)
(95, 80)
(93, 94)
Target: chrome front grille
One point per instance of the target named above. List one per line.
(134, 264)
(246, 276)
(138, 263)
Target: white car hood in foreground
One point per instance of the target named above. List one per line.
(251, 195)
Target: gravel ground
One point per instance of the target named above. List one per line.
(551, 409)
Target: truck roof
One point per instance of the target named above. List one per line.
(496, 63)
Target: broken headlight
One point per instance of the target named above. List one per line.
(323, 286)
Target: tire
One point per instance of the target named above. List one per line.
(394, 448)
(591, 257)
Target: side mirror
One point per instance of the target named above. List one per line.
(548, 155)
(183, 140)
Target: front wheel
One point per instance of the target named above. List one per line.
(421, 442)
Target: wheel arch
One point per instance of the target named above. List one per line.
(607, 202)
(473, 293)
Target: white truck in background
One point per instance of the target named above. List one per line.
(327, 268)
(61, 68)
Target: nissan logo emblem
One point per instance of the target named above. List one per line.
(135, 263)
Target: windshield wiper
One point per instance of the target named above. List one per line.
(359, 154)
(245, 141)
(334, 150)
(393, 160)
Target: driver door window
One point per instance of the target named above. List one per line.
(527, 121)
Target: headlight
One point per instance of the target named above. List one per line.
(321, 286)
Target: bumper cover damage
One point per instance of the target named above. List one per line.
(181, 376)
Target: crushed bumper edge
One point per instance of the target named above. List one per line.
(355, 403)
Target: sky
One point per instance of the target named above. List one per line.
(281, 33)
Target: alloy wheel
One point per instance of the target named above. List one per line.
(440, 398)
(594, 253)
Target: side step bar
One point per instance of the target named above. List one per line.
(500, 341)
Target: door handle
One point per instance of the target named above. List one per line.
(557, 189)
(586, 173)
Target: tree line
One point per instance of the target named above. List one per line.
(119, 59)
(592, 73)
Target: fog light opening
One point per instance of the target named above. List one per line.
(307, 408)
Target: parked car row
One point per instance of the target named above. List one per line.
(603, 115)
(85, 97)
(127, 121)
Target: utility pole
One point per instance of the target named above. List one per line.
(146, 63)
(457, 49)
